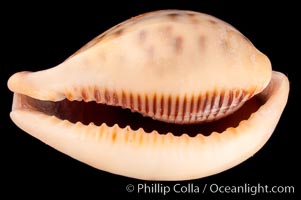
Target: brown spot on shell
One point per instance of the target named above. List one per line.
(202, 43)
(173, 16)
(225, 44)
(213, 22)
(118, 32)
(99, 38)
(191, 14)
(142, 35)
(193, 18)
(178, 44)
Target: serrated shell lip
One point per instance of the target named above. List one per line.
(128, 102)
(185, 108)
(180, 158)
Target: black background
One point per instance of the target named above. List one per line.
(39, 36)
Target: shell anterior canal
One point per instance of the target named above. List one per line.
(98, 113)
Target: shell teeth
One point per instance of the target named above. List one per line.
(185, 109)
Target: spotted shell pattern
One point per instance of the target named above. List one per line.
(172, 65)
(175, 66)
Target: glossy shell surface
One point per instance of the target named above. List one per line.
(177, 67)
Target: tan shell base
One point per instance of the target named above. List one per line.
(141, 155)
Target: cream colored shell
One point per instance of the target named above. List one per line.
(172, 65)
